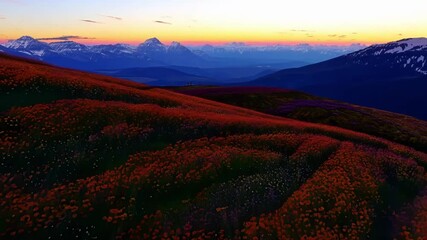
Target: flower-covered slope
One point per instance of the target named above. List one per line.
(305, 107)
(85, 156)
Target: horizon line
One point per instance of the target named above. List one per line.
(91, 42)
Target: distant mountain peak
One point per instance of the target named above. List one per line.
(175, 44)
(152, 41)
(28, 45)
(21, 42)
(26, 38)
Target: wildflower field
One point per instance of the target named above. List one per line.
(85, 156)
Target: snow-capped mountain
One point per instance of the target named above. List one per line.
(153, 52)
(174, 54)
(410, 54)
(176, 47)
(67, 47)
(75, 55)
(152, 44)
(389, 76)
(112, 49)
(29, 46)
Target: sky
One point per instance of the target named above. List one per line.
(332, 22)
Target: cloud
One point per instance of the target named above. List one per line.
(337, 36)
(354, 33)
(399, 34)
(113, 17)
(90, 21)
(1, 18)
(63, 38)
(163, 22)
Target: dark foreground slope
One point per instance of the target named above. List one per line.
(91, 157)
(305, 107)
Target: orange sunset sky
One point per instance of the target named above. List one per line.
(215, 22)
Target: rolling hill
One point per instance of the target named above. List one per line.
(305, 107)
(86, 156)
(390, 76)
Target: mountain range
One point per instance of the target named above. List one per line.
(79, 56)
(153, 53)
(391, 76)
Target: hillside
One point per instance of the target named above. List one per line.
(305, 107)
(87, 156)
(389, 76)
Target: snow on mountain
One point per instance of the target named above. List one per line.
(177, 48)
(24, 43)
(67, 47)
(152, 45)
(29, 46)
(120, 49)
(410, 54)
(151, 52)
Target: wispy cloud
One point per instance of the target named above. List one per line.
(90, 21)
(337, 36)
(162, 22)
(1, 17)
(64, 38)
(113, 17)
(354, 33)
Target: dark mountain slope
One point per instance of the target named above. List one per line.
(390, 76)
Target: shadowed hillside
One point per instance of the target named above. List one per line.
(297, 105)
(85, 156)
(390, 76)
